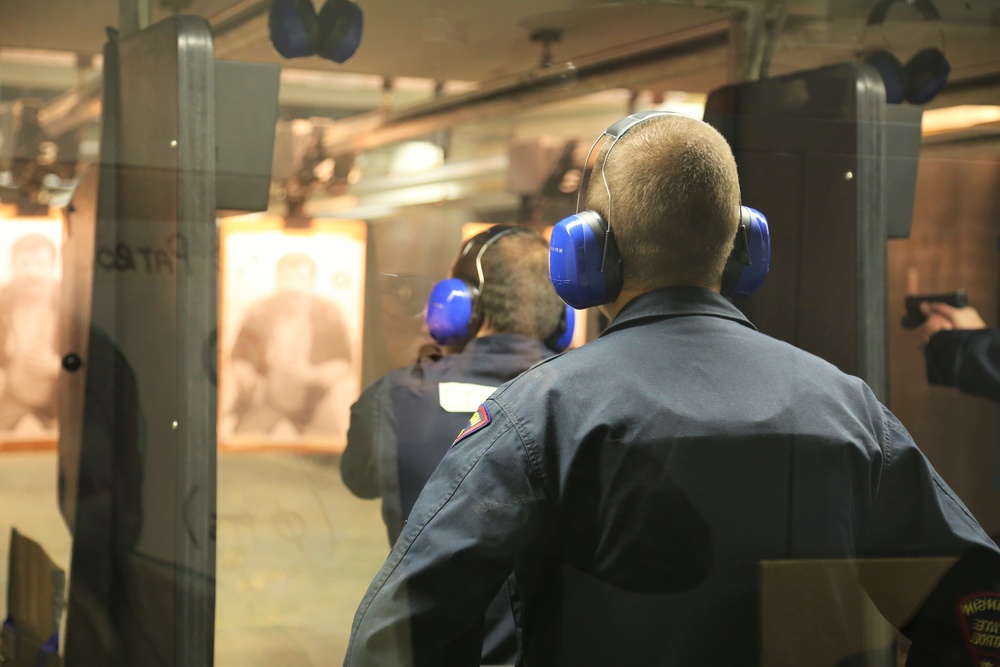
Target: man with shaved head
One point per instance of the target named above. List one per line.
(630, 489)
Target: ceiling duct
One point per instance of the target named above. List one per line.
(630, 66)
(81, 104)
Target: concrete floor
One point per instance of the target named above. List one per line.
(295, 551)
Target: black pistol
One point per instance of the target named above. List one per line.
(914, 318)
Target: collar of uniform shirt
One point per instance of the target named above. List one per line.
(504, 343)
(679, 301)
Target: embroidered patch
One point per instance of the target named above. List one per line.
(480, 419)
(979, 616)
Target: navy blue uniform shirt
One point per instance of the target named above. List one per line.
(967, 359)
(633, 486)
(402, 425)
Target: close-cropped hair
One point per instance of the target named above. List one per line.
(516, 295)
(675, 199)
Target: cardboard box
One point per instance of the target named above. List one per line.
(841, 613)
(36, 589)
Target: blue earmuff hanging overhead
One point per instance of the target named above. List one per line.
(584, 262)
(924, 75)
(297, 31)
(452, 310)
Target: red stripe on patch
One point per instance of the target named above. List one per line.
(480, 419)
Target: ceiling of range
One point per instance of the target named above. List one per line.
(485, 51)
(457, 40)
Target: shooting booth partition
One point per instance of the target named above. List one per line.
(833, 167)
(137, 445)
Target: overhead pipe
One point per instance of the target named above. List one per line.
(74, 108)
(133, 15)
(624, 67)
(81, 104)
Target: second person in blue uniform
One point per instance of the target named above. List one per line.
(402, 425)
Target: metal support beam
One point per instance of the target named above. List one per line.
(133, 15)
(761, 32)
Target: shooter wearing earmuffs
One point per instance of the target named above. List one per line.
(499, 315)
(629, 489)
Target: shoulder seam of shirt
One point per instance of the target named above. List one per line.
(502, 389)
(530, 451)
(943, 487)
(884, 442)
(934, 475)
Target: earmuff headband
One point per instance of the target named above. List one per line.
(490, 240)
(452, 309)
(618, 130)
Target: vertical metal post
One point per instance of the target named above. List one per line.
(759, 36)
(143, 579)
(754, 38)
(197, 300)
(133, 15)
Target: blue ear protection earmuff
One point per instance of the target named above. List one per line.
(297, 31)
(924, 75)
(293, 27)
(452, 316)
(750, 259)
(340, 23)
(449, 311)
(584, 262)
(561, 338)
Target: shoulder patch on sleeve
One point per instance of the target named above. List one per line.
(479, 420)
(979, 616)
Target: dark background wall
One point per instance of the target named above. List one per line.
(953, 244)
